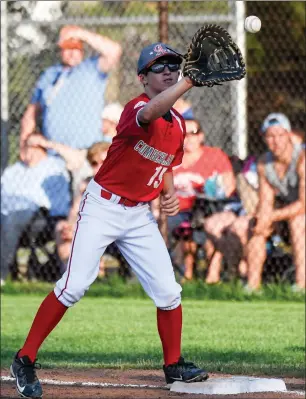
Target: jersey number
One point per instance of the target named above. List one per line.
(157, 178)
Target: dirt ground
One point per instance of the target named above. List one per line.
(135, 377)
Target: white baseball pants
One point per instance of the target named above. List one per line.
(135, 231)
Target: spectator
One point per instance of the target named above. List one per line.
(96, 155)
(298, 137)
(110, 119)
(41, 180)
(64, 228)
(76, 162)
(77, 159)
(228, 230)
(69, 96)
(281, 198)
(200, 163)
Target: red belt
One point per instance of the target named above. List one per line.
(123, 201)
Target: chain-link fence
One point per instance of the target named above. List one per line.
(231, 115)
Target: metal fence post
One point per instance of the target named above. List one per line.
(4, 87)
(240, 133)
(163, 21)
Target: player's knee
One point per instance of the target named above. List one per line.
(168, 301)
(69, 297)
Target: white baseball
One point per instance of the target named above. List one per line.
(252, 24)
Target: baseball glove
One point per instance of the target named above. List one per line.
(213, 57)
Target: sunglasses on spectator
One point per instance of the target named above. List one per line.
(159, 68)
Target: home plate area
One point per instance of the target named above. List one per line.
(125, 384)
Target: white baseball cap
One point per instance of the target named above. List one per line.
(276, 119)
(112, 112)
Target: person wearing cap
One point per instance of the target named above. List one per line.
(281, 198)
(115, 209)
(69, 96)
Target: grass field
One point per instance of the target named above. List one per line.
(115, 287)
(229, 337)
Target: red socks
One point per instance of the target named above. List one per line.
(48, 316)
(51, 311)
(169, 324)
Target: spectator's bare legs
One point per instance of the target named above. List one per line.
(209, 248)
(243, 268)
(297, 232)
(256, 256)
(64, 229)
(63, 239)
(189, 250)
(240, 228)
(214, 226)
(214, 268)
(102, 268)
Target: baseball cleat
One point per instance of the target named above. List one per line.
(184, 371)
(27, 383)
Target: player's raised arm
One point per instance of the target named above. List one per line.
(161, 104)
(212, 58)
(158, 70)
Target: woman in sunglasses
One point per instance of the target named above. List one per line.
(115, 208)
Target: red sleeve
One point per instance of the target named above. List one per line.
(178, 158)
(128, 121)
(224, 163)
(180, 153)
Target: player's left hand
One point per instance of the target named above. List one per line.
(169, 204)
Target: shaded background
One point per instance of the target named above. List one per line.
(275, 57)
(231, 115)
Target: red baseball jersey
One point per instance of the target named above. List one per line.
(139, 156)
(190, 180)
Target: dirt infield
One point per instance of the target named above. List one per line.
(129, 377)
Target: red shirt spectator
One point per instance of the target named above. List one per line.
(199, 163)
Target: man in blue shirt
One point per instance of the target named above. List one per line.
(40, 181)
(69, 96)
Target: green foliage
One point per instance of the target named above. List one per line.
(136, 8)
(276, 65)
(286, 40)
(228, 337)
(111, 9)
(198, 8)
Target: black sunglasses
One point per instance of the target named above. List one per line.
(159, 68)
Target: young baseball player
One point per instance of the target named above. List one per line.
(138, 168)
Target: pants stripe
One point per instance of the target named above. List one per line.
(77, 227)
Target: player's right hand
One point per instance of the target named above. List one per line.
(169, 204)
